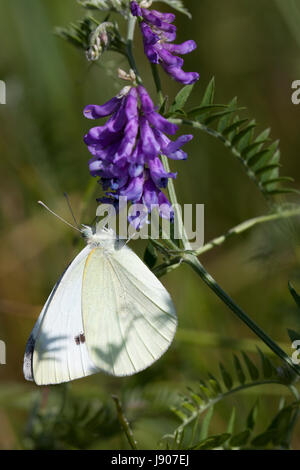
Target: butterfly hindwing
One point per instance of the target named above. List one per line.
(52, 350)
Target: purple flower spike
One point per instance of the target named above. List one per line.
(158, 35)
(126, 151)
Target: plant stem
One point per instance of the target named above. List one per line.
(171, 186)
(130, 56)
(157, 82)
(125, 423)
(212, 284)
(192, 260)
(247, 225)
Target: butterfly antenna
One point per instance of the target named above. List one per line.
(71, 210)
(131, 237)
(58, 216)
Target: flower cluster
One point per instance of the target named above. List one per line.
(126, 149)
(158, 35)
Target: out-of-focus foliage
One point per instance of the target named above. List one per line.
(252, 49)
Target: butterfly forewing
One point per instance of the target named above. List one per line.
(128, 316)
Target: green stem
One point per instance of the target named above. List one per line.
(218, 241)
(244, 226)
(192, 259)
(125, 423)
(171, 186)
(129, 48)
(157, 82)
(212, 284)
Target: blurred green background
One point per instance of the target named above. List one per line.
(252, 48)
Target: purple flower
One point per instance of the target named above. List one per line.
(126, 151)
(158, 34)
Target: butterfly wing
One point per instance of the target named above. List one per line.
(128, 315)
(52, 354)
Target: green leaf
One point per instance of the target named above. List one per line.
(248, 137)
(252, 369)
(240, 439)
(196, 112)
(236, 139)
(252, 148)
(267, 365)
(263, 439)
(267, 168)
(206, 423)
(215, 116)
(177, 5)
(294, 336)
(213, 442)
(278, 429)
(209, 93)
(257, 157)
(231, 423)
(215, 386)
(283, 191)
(239, 370)
(234, 126)
(120, 6)
(252, 416)
(227, 379)
(181, 99)
(180, 414)
(277, 180)
(226, 120)
(295, 295)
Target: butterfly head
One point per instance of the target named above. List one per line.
(100, 237)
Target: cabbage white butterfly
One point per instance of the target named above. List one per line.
(108, 312)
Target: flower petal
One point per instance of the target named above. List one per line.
(161, 123)
(187, 78)
(134, 189)
(184, 48)
(150, 146)
(135, 9)
(94, 111)
(158, 173)
(146, 102)
(174, 146)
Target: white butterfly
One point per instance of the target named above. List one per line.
(108, 312)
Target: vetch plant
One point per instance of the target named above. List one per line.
(130, 156)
